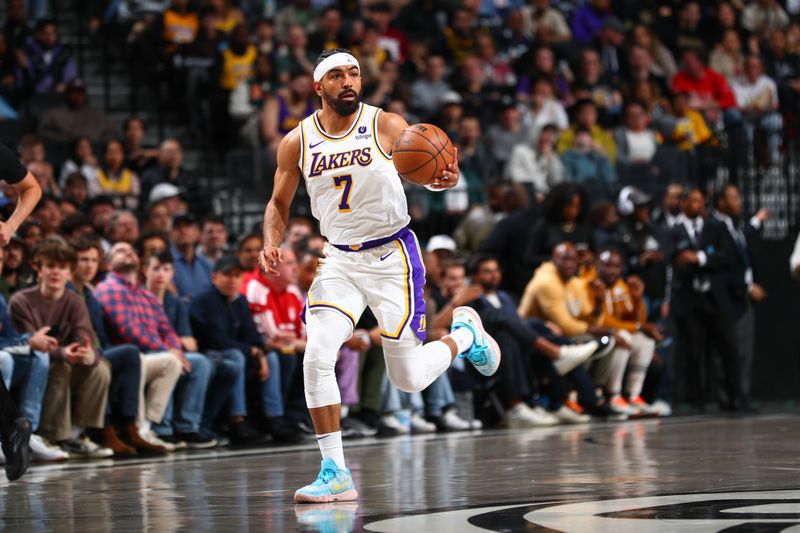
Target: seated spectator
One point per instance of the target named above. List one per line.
(128, 370)
(284, 111)
(45, 65)
(587, 163)
(276, 308)
(427, 92)
(298, 230)
(138, 157)
(380, 14)
(727, 57)
(330, 34)
(247, 251)
(564, 213)
(626, 314)
(538, 166)
(586, 117)
(506, 133)
(757, 96)
(82, 160)
(75, 120)
(77, 387)
(159, 216)
(123, 227)
(587, 21)
(662, 64)
(48, 214)
(31, 232)
(100, 210)
(228, 369)
(609, 43)
(543, 109)
(192, 272)
(475, 161)
(43, 172)
(763, 16)
(236, 68)
(294, 55)
(24, 365)
(636, 142)
(75, 226)
(179, 25)
(227, 16)
(135, 316)
(708, 91)
(170, 170)
(16, 270)
(604, 218)
(495, 65)
(545, 22)
(76, 188)
(296, 13)
(370, 54)
(597, 85)
(151, 243)
(17, 26)
(688, 32)
(213, 238)
(691, 129)
(115, 180)
(32, 151)
(784, 67)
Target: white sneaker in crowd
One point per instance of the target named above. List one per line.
(84, 448)
(391, 421)
(420, 425)
(565, 415)
(522, 416)
(661, 408)
(151, 437)
(574, 355)
(43, 451)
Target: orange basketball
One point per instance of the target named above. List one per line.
(422, 152)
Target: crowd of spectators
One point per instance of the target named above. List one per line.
(133, 322)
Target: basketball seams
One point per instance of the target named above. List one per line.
(439, 151)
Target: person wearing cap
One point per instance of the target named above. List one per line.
(135, 316)
(170, 170)
(224, 327)
(192, 272)
(74, 119)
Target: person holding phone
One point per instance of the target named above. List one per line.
(15, 430)
(77, 388)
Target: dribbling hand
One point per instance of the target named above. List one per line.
(269, 258)
(449, 177)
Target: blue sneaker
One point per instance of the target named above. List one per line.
(484, 353)
(331, 485)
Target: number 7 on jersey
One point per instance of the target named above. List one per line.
(344, 182)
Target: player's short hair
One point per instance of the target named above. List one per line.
(56, 250)
(328, 53)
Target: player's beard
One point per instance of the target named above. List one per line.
(343, 108)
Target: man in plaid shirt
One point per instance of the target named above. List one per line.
(135, 316)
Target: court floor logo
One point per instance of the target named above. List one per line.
(771, 511)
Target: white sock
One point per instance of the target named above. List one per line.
(75, 433)
(345, 411)
(330, 444)
(463, 338)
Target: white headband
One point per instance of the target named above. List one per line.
(336, 60)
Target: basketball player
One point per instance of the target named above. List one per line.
(15, 433)
(372, 259)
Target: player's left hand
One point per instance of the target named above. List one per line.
(449, 177)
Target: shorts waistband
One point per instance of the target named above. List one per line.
(372, 244)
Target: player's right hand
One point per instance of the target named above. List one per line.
(269, 258)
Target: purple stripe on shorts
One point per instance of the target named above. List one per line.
(416, 284)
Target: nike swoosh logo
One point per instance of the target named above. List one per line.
(387, 255)
(312, 146)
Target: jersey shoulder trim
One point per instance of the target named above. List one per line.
(302, 160)
(375, 135)
(345, 135)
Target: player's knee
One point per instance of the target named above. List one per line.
(405, 378)
(318, 371)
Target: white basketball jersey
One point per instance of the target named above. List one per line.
(355, 191)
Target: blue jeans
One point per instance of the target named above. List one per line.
(126, 373)
(439, 395)
(271, 391)
(227, 385)
(189, 397)
(28, 373)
